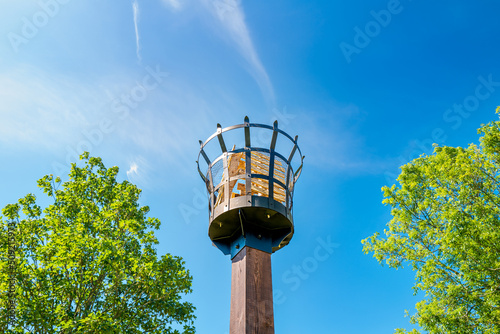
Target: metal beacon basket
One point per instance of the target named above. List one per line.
(250, 173)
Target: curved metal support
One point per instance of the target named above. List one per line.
(251, 189)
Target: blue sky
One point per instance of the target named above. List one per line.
(367, 86)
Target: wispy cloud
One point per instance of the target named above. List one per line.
(44, 110)
(173, 4)
(135, 6)
(335, 143)
(230, 16)
(139, 172)
(166, 133)
(133, 170)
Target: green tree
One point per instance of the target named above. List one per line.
(446, 226)
(87, 263)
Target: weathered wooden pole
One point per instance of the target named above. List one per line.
(251, 293)
(250, 192)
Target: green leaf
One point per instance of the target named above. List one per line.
(86, 263)
(446, 226)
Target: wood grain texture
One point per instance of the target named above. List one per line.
(251, 293)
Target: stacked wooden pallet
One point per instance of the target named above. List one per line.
(259, 165)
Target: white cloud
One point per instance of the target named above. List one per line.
(139, 172)
(133, 170)
(173, 4)
(42, 110)
(135, 6)
(331, 140)
(230, 16)
(168, 124)
(58, 114)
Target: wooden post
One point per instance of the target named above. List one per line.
(251, 293)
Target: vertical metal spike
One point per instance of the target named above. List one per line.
(221, 140)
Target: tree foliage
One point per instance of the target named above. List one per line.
(87, 263)
(446, 226)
